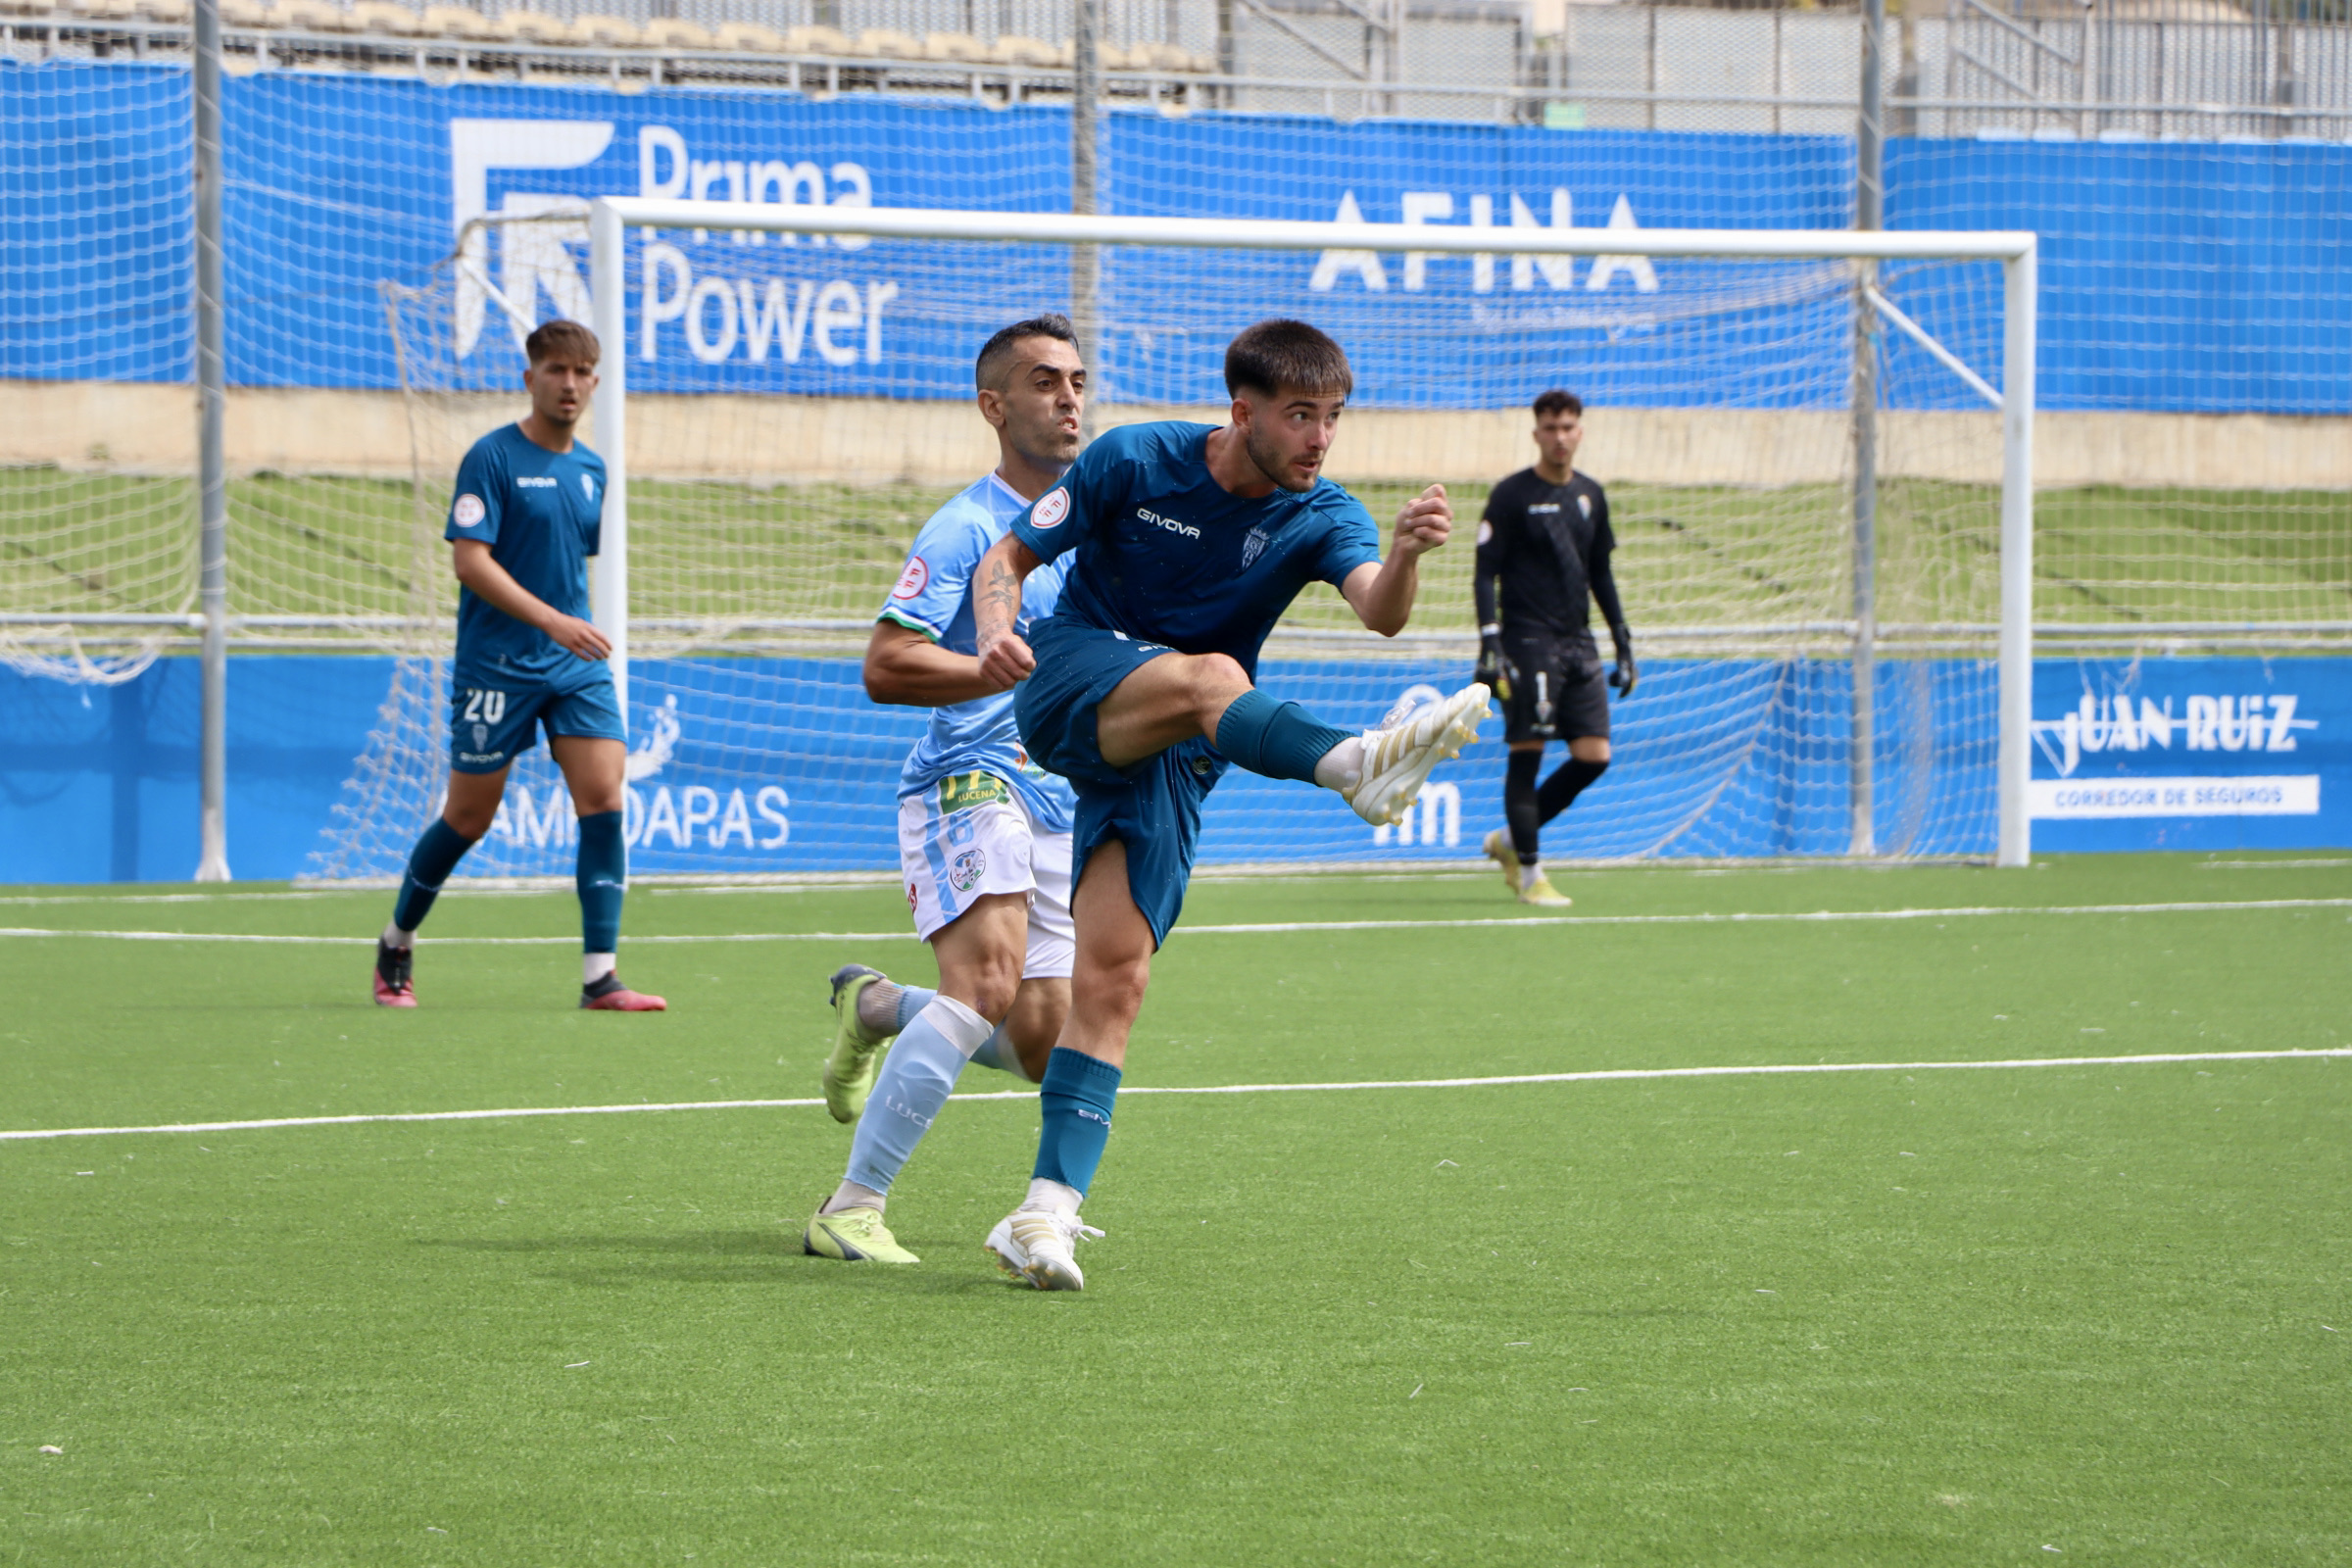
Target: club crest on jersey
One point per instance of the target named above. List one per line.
(1051, 508)
(913, 580)
(969, 867)
(481, 737)
(588, 486)
(1254, 545)
(468, 512)
(1584, 503)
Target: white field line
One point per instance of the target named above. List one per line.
(1604, 1075)
(1272, 928)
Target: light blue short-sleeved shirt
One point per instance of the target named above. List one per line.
(934, 596)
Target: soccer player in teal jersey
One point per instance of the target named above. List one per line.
(529, 506)
(1191, 542)
(984, 833)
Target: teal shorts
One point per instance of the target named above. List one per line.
(1154, 806)
(495, 716)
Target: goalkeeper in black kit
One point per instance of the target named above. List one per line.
(1544, 547)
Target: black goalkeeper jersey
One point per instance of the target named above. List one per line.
(1549, 545)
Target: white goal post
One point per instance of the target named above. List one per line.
(611, 218)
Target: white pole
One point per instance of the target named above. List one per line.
(211, 476)
(1244, 233)
(609, 584)
(2016, 766)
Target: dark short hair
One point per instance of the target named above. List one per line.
(989, 367)
(1557, 401)
(550, 338)
(1286, 355)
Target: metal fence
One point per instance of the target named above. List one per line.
(2112, 69)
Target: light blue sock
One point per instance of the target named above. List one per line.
(915, 1080)
(999, 1051)
(912, 999)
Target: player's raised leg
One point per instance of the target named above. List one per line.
(1176, 697)
(594, 768)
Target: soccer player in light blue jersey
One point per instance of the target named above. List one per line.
(1191, 542)
(528, 513)
(984, 833)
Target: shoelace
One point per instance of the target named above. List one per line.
(1070, 1226)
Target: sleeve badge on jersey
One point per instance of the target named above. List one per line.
(913, 580)
(1049, 510)
(468, 512)
(1486, 531)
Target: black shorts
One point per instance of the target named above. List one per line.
(1557, 688)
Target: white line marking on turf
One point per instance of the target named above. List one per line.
(1597, 1075)
(1797, 917)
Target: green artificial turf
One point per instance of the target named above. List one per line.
(1896, 1317)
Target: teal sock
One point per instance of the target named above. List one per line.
(603, 879)
(1280, 740)
(436, 855)
(1075, 1100)
(915, 1081)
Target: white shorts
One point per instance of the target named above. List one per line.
(970, 835)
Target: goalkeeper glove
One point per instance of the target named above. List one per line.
(1626, 672)
(1492, 669)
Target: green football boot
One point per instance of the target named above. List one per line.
(857, 1053)
(854, 1236)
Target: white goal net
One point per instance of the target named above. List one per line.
(1812, 537)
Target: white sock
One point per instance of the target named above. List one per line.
(1529, 873)
(849, 1194)
(594, 966)
(395, 937)
(1342, 766)
(1052, 1197)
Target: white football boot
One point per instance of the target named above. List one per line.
(1397, 757)
(1035, 1245)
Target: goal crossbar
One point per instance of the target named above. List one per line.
(2015, 251)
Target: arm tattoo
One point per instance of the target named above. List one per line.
(998, 602)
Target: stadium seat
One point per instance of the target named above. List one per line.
(749, 36)
(384, 16)
(168, 12)
(246, 14)
(462, 22)
(960, 47)
(883, 43)
(532, 27)
(675, 33)
(819, 41)
(1012, 49)
(606, 33)
(307, 16)
(1164, 57)
(102, 10)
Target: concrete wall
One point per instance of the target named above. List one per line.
(97, 427)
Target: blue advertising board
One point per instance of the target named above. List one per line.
(2175, 277)
(776, 766)
(2192, 754)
